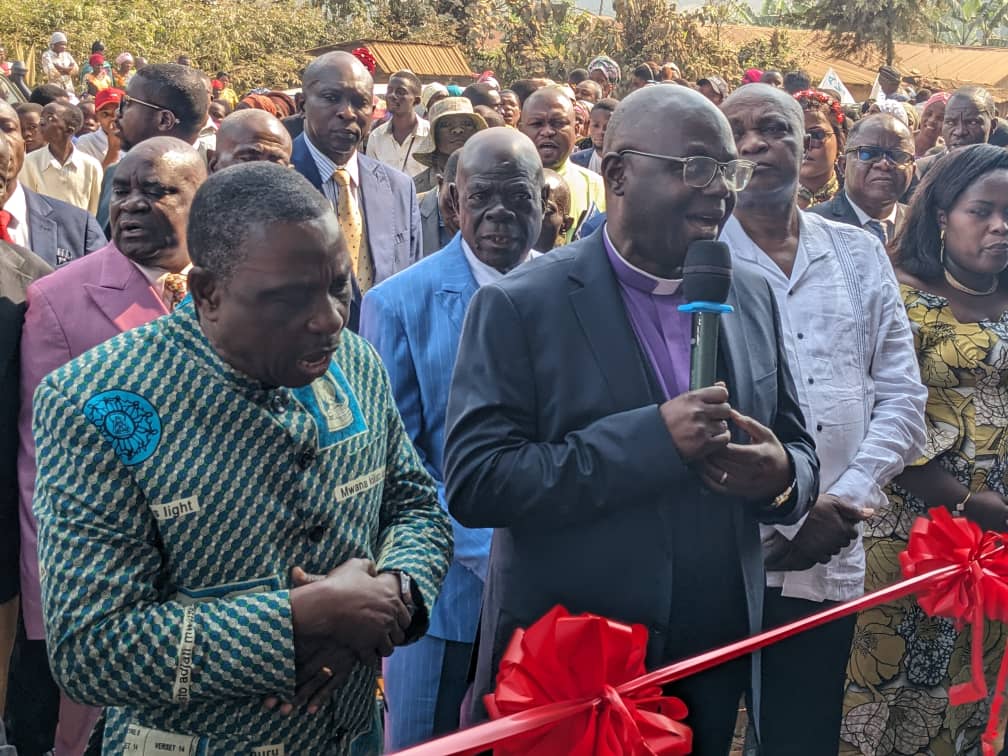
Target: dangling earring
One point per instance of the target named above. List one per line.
(941, 249)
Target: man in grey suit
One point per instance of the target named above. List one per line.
(612, 488)
(879, 165)
(54, 230)
(338, 101)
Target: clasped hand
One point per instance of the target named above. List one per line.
(831, 525)
(698, 424)
(351, 614)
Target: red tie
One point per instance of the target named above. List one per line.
(5, 219)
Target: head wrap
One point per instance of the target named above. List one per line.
(123, 58)
(364, 56)
(454, 90)
(283, 103)
(260, 102)
(487, 77)
(56, 38)
(752, 76)
(96, 61)
(606, 65)
(942, 97)
(895, 109)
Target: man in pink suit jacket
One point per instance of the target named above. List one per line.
(134, 279)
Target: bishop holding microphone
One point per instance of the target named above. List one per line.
(612, 487)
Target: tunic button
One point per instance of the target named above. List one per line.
(278, 403)
(306, 457)
(316, 533)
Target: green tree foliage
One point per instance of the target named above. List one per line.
(260, 42)
(861, 27)
(972, 22)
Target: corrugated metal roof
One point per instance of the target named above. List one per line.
(986, 66)
(425, 60)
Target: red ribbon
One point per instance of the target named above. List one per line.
(583, 658)
(975, 592)
(365, 56)
(955, 569)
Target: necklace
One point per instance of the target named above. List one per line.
(959, 286)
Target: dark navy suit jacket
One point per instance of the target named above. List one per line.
(59, 231)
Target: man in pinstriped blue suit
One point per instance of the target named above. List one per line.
(414, 319)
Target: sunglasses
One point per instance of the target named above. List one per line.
(126, 100)
(699, 171)
(817, 136)
(875, 154)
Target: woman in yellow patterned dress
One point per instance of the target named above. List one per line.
(950, 259)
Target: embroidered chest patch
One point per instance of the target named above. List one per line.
(129, 423)
(333, 406)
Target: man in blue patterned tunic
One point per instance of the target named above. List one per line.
(195, 471)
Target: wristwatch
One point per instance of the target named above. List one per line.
(784, 495)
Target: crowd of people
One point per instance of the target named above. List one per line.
(311, 401)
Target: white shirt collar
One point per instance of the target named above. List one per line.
(485, 274)
(863, 217)
(53, 162)
(17, 206)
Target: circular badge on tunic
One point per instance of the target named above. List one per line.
(129, 423)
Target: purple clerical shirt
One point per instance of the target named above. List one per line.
(652, 304)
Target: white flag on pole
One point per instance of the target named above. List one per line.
(832, 81)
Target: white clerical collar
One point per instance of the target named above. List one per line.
(662, 285)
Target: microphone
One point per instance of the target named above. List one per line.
(706, 282)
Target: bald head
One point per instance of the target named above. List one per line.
(500, 196)
(10, 130)
(335, 65)
(338, 92)
(248, 136)
(152, 191)
(648, 125)
(786, 104)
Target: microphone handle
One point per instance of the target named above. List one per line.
(703, 349)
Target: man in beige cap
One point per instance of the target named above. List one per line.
(452, 122)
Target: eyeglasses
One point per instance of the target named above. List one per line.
(817, 136)
(126, 100)
(699, 170)
(874, 154)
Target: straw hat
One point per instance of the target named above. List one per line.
(449, 107)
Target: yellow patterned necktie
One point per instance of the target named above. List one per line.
(175, 287)
(353, 228)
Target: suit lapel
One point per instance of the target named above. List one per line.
(123, 293)
(42, 228)
(305, 163)
(599, 308)
(457, 283)
(13, 278)
(376, 202)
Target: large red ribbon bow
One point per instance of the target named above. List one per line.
(585, 657)
(977, 591)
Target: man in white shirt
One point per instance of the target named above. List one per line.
(55, 231)
(103, 145)
(878, 169)
(852, 354)
(60, 170)
(414, 320)
(395, 141)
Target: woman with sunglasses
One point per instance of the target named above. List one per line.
(951, 259)
(826, 131)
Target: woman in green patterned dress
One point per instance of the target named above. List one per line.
(950, 259)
